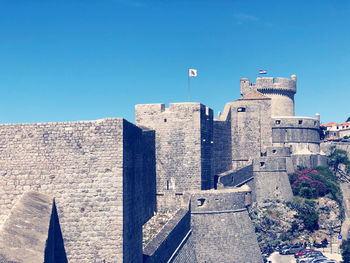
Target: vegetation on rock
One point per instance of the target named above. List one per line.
(314, 183)
(316, 208)
(339, 162)
(345, 251)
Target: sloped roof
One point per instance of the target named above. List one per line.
(332, 124)
(255, 95)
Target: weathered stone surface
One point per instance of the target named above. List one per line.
(174, 242)
(184, 151)
(221, 228)
(31, 233)
(94, 169)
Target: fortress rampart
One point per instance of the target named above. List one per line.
(94, 170)
(296, 132)
(174, 242)
(216, 215)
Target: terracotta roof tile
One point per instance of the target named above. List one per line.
(255, 95)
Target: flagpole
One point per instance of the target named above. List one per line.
(188, 81)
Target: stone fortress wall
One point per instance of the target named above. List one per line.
(109, 177)
(94, 170)
(217, 218)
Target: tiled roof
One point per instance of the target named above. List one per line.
(332, 124)
(255, 95)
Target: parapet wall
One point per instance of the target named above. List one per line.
(284, 84)
(237, 177)
(94, 170)
(173, 243)
(268, 83)
(295, 130)
(271, 179)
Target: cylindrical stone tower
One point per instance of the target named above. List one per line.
(281, 91)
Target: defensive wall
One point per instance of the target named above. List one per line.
(266, 176)
(184, 138)
(249, 125)
(174, 242)
(302, 134)
(221, 228)
(94, 169)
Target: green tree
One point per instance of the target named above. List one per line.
(338, 157)
(345, 251)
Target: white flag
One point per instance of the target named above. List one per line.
(192, 72)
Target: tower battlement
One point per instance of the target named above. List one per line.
(269, 85)
(280, 90)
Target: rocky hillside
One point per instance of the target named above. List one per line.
(298, 221)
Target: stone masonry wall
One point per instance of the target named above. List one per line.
(173, 243)
(250, 129)
(92, 169)
(218, 218)
(222, 146)
(148, 181)
(233, 178)
(184, 136)
(207, 148)
(271, 179)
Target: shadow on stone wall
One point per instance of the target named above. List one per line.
(54, 251)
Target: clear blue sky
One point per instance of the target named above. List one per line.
(87, 59)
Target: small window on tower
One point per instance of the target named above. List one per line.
(241, 109)
(278, 122)
(165, 120)
(300, 121)
(200, 201)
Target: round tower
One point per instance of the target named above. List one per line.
(281, 91)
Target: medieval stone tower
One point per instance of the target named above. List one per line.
(280, 90)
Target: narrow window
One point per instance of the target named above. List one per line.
(300, 122)
(278, 122)
(200, 201)
(167, 184)
(262, 164)
(165, 120)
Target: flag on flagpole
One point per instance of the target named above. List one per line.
(262, 71)
(192, 72)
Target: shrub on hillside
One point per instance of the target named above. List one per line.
(313, 183)
(306, 212)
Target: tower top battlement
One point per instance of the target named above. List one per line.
(280, 90)
(265, 84)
